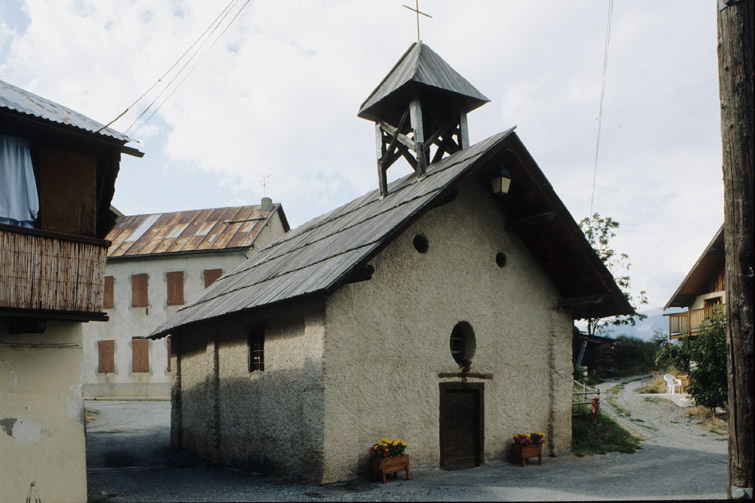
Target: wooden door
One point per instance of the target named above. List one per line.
(461, 425)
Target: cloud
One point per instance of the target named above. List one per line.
(278, 94)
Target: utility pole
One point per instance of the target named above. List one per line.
(736, 29)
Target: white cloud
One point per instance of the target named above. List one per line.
(279, 94)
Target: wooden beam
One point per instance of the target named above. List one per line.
(538, 219)
(580, 301)
(392, 131)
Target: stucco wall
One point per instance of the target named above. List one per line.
(42, 414)
(387, 340)
(127, 322)
(268, 420)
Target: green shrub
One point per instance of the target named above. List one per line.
(708, 386)
(634, 356)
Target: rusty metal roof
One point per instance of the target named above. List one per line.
(22, 101)
(211, 229)
(422, 66)
(710, 263)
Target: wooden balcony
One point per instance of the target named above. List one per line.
(689, 322)
(45, 272)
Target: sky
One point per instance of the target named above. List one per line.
(270, 109)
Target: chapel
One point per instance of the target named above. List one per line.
(437, 308)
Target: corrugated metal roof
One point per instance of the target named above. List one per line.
(188, 231)
(319, 253)
(695, 283)
(421, 65)
(17, 99)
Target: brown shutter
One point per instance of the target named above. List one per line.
(140, 355)
(168, 353)
(139, 290)
(106, 354)
(211, 275)
(175, 288)
(109, 300)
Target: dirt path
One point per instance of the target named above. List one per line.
(657, 419)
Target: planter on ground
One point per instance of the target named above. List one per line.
(380, 467)
(524, 452)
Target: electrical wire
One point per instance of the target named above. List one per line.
(215, 25)
(187, 74)
(602, 94)
(169, 69)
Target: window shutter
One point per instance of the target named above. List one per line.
(139, 284)
(175, 288)
(109, 301)
(106, 351)
(169, 353)
(140, 355)
(211, 275)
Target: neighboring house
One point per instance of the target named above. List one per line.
(156, 264)
(353, 326)
(703, 291)
(57, 176)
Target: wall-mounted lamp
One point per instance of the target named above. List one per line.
(502, 181)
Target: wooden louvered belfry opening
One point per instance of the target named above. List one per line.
(421, 105)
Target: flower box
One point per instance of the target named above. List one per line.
(380, 467)
(523, 452)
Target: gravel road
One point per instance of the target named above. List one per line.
(129, 459)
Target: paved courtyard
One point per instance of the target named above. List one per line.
(129, 459)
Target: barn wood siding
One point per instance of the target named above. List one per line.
(45, 271)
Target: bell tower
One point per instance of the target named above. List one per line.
(420, 112)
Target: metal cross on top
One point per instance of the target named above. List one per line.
(418, 12)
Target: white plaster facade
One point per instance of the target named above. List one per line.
(126, 322)
(42, 414)
(345, 369)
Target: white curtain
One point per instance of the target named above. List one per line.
(19, 203)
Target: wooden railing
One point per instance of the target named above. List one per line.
(49, 271)
(689, 322)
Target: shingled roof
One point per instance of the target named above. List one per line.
(215, 229)
(321, 254)
(419, 66)
(699, 277)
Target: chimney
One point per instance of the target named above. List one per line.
(266, 205)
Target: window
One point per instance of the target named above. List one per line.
(168, 343)
(106, 350)
(109, 300)
(18, 192)
(257, 349)
(463, 343)
(175, 288)
(140, 355)
(139, 290)
(210, 275)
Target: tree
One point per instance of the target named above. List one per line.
(599, 232)
(708, 351)
(736, 44)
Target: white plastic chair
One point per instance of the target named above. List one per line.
(671, 383)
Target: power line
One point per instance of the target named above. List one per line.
(228, 6)
(188, 73)
(602, 94)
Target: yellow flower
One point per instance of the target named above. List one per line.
(382, 439)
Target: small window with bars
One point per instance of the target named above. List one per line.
(257, 349)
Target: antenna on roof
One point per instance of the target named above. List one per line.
(264, 185)
(416, 10)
